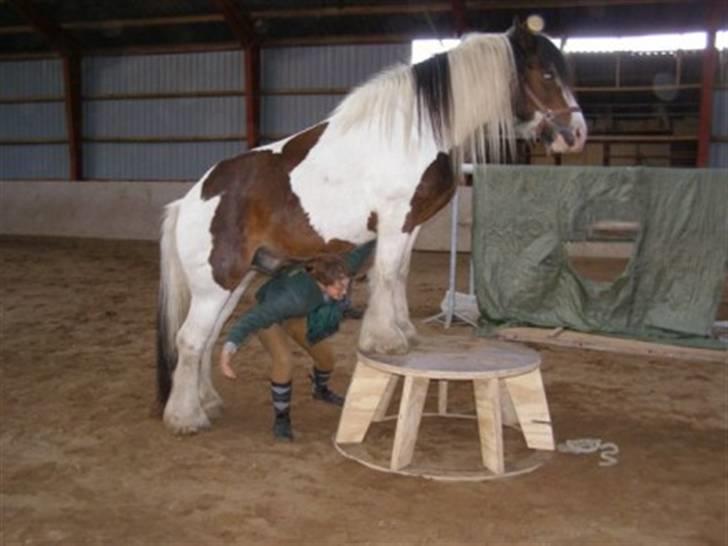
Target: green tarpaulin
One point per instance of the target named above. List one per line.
(524, 217)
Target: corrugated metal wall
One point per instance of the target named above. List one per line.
(302, 85)
(719, 149)
(130, 135)
(170, 117)
(31, 125)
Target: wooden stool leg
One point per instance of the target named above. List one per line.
(508, 410)
(381, 412)
(408, 422)
(529, 399)
(362, 399)
(490, 427)
(442, 397)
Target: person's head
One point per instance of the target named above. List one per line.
(332, 275)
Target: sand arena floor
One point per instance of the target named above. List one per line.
(83, 461)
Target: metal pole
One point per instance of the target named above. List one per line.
(453, 259)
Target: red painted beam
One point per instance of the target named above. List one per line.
(252, 95)
(241, 25)
(458, 13)
(710, 61)
(239, 22)
(72, 93)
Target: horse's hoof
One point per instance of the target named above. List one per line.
(374, 347)
(188, 425)
(410, 332)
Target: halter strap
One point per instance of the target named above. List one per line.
(548, 114)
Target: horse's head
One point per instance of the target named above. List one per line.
(544, 105)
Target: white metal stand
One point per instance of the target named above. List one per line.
(450, 313)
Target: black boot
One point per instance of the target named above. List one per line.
(282, 430)
(325, 394)
(320, 388)
(281, 394)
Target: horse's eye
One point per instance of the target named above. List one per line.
(548, 75)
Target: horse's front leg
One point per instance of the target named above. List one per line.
(401, 308)
(381, 331)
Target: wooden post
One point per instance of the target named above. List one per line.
(490, 424)
(414, 394)
(529, 400)
(710, 56)
(381, 412)
(364, 396)
(72, 99)
(252, 94)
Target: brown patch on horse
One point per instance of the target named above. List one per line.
(258, 208)
(372, 222)
(434, 191)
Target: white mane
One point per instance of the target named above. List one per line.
(480, 113)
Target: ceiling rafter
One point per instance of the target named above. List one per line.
(458, 13)
(240, 23)
(59, 40)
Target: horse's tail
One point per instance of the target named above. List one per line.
(173, 305)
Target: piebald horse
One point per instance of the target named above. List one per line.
(384, 162)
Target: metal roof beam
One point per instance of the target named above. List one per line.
(239, 22)
(458, 13)
(58, 39)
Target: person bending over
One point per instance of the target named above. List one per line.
(307, 304)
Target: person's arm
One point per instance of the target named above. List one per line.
(289, 298)
(258, 317)
(358, 257)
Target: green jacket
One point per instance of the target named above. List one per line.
(294, 293)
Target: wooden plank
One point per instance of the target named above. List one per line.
(612, 344)
(381, 413)
(509, 417)
(529, 400)
(442, 397)
(490, 425)
(408, 422)
(362, 400)
(144, 22)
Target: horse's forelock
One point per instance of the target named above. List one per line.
(550, 56)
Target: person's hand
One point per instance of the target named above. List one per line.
(226, 357)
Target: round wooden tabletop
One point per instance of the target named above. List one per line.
(453, 358)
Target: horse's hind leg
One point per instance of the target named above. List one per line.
(184, 413)
(209, 398)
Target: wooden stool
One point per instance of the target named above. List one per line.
(489, 364)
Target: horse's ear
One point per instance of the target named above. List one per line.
(521, 34)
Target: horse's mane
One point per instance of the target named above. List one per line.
(463, 98)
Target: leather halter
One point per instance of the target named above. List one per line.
(549, 116)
